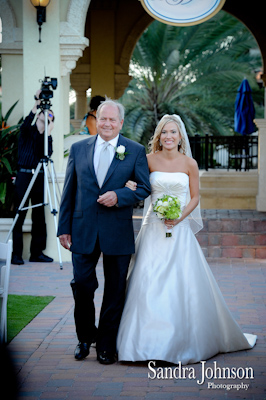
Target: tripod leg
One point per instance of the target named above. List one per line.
(54, 188)
(56, 181)
(26, 195)
(54, 210)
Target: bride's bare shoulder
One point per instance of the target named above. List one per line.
(191, 165)
(192, 162)
(152, 160)
(150, 156)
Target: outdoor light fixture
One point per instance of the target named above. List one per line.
(40, 5)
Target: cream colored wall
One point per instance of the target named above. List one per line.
(12, 59)
(261, 197)
(40, 60)
(64, 5)
(17, 7)
(12, 86)
(222, 189)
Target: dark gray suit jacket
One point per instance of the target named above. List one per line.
(85, 219)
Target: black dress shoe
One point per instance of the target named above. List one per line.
(105, 357)
(41, 258)
(17, 260)
(82, 350)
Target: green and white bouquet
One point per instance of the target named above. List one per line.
(167, 207)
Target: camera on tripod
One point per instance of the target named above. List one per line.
(47, 84)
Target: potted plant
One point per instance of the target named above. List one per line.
(8, 163)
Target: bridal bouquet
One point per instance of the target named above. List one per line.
(167, 207)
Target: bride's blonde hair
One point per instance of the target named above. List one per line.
(154, 143)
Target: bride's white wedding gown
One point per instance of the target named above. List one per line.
(174, 309)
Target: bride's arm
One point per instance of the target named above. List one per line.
(131, 185)
(194, 193)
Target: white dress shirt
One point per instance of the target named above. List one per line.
(98, 147)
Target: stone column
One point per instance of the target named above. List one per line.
(261, 197)
(80, 83)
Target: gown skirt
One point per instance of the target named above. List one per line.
(174, 309)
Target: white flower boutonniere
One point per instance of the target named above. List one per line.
(121, 152)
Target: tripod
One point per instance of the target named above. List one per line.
(43, 163)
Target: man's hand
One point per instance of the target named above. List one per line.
(37, 102)
(38, 94)
(65, 241)
(108, 199)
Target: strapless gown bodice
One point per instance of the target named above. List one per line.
(169, 183)
(174, 309)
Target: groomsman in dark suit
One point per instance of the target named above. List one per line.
(96, 216)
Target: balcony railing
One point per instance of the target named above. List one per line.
(226, 152)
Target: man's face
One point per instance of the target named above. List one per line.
(108, 123)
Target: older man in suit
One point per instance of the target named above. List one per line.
(96, 216)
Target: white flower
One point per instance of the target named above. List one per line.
(159, 203)
(169, 199)
(121, 149)
(160, 215)
(165, 204)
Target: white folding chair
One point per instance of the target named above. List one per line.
(5, 261)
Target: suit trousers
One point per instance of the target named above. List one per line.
(38, 231)
(84, 285)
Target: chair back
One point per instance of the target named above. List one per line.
(5, 261)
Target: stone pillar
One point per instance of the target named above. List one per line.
(261, 197)
(80, 83)
(81, 104)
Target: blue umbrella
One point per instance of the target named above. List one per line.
(244, 110)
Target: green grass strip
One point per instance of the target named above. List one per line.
(21, 310)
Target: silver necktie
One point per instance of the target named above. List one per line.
(104, 162)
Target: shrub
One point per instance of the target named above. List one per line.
(8, 163)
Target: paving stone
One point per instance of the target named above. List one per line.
(43, 351)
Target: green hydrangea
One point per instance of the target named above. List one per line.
(167, 207)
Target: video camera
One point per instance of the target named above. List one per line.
(47, 84)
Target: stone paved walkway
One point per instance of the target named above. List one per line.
(43, 351)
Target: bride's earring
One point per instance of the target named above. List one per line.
(160, 144)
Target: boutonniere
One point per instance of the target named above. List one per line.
(120, 152)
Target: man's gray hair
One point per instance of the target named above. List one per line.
(113, 103)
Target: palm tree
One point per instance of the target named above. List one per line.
(191, 71)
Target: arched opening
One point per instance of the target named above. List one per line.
(133, 21)
(192, 71)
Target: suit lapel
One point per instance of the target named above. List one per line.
(90, 155)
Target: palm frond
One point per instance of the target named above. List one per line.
(194, 72)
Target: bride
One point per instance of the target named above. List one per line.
(174, 310)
